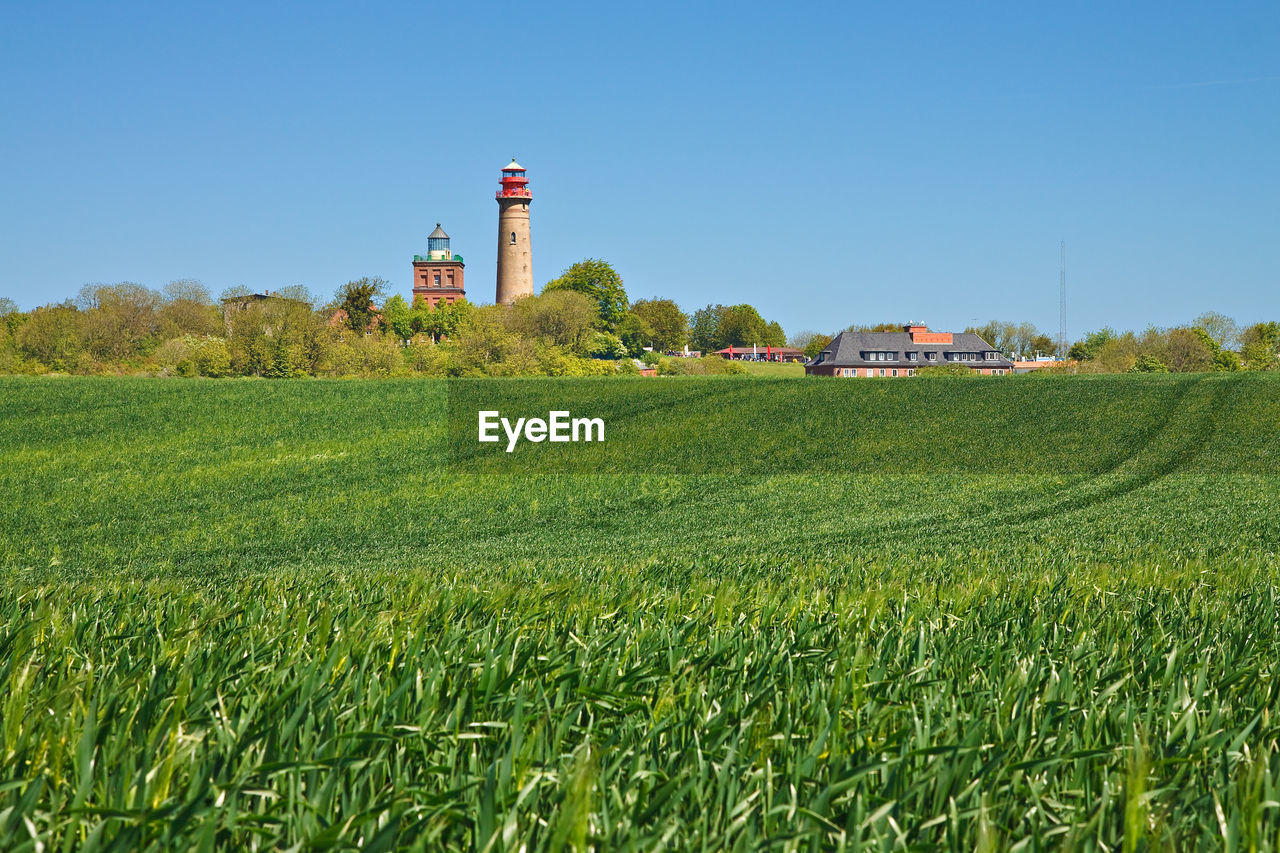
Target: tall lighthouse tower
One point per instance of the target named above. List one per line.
(515, 253)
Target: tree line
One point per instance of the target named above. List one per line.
(581, 324)
(1211, 342)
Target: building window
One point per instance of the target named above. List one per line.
(991, 356)
(913, 356)
(895, 371)
(437, 280)
(882, 371)
(513, 238)
(932, 356)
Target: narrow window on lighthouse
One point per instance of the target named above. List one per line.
(513, 238)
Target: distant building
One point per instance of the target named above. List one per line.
(876, 354)
(1039, 363)
(437, 275)
(233, 305)
(339, 318)
(758, 353)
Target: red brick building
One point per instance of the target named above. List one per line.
(437, 276)
(876, 354)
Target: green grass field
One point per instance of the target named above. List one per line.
(935, 613)
(773, 371)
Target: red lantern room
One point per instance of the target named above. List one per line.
(514, 183)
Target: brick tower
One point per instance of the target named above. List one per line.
(515, 253)
(437, 276)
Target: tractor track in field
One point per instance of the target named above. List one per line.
(1123, 476)
(1194, 438)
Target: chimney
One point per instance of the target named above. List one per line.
(920, 334)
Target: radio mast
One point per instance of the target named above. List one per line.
(1062, 301)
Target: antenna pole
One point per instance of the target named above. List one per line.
(1062, 301)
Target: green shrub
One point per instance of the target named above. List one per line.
(952, 369)
(1148, 364)
(607, 346)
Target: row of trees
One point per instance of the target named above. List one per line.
(1211, 342)
(660, 324)
(127, 328)
(582, 323)
(584, 312)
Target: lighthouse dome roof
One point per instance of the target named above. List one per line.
(513, 166)
(439, 232)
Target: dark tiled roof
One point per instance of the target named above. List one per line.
(847, 349)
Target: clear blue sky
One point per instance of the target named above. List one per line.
(829, 163)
